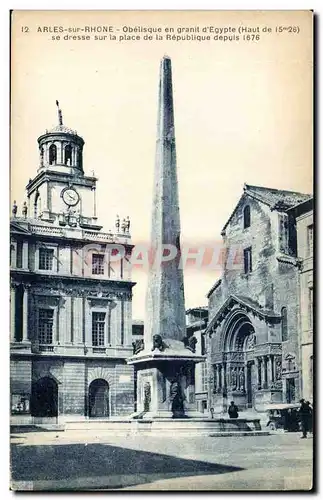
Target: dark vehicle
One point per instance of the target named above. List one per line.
(283, 416)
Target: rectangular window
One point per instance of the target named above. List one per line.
(310, 236)
(204, 377)
(97, 263)
(45, 326)
(98, 327)
(247, 258)
(19, 254)
(46, 257)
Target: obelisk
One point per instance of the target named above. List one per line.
(165, 363)
(165, 294)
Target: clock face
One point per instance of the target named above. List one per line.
(70, 197)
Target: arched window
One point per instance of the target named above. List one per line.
(68, 155)
(52, 154)
(246, 217)
(99, 405)
(42, 156)
(37, 205)
(284, 325)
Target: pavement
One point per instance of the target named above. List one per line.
(88, 460)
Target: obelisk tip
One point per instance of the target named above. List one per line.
(166, 57)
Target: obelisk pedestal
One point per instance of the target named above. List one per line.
(165, 364)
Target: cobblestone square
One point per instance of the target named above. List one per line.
(88, 460)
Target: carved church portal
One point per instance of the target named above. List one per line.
(235, 376)
(44, 398)
(99, 399)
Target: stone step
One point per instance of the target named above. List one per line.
(239, 433)
(167, 426)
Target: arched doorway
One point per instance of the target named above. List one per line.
(44, 398)
(240, 366)
(99, 406)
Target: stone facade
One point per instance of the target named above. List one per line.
(253, 349)
(71, 296)
(303, 214)
(196, 322)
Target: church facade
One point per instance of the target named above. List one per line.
(71, 295)
(254, 308)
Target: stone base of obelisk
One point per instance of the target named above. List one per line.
(165, 384)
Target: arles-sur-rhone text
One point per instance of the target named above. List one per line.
(150, 33)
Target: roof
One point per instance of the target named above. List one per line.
(214, 287)
(305, 207)
(276, 199)
(62, 128)
(197, 309)
(247, 303)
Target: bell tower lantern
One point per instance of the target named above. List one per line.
(61, 193)
(61, 149)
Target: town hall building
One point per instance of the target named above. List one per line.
(254, 308)
(71, 296)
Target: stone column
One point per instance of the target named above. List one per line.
(73, 157)
(215, 377)
(25, 255)
(270, 370)
(263, 372)
(219, 367)
(25, 304)
(56, 338)
(60, 152)
(13, 314)
(259, 373)
(242, 379)
(224, 377)
(13, 254)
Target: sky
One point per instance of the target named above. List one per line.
(243, 113)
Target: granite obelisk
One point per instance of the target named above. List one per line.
(165, 362)
(165, 293)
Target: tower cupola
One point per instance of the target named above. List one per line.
(61, 148)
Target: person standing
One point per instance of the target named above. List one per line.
(305, 415)
(233, 410)
(310, 423)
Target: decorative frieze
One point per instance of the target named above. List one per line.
(60, 290)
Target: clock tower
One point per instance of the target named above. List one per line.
(70, 295)
(61, 193)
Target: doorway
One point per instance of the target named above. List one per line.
(290, 390)
(44, 398)
(99, 406)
